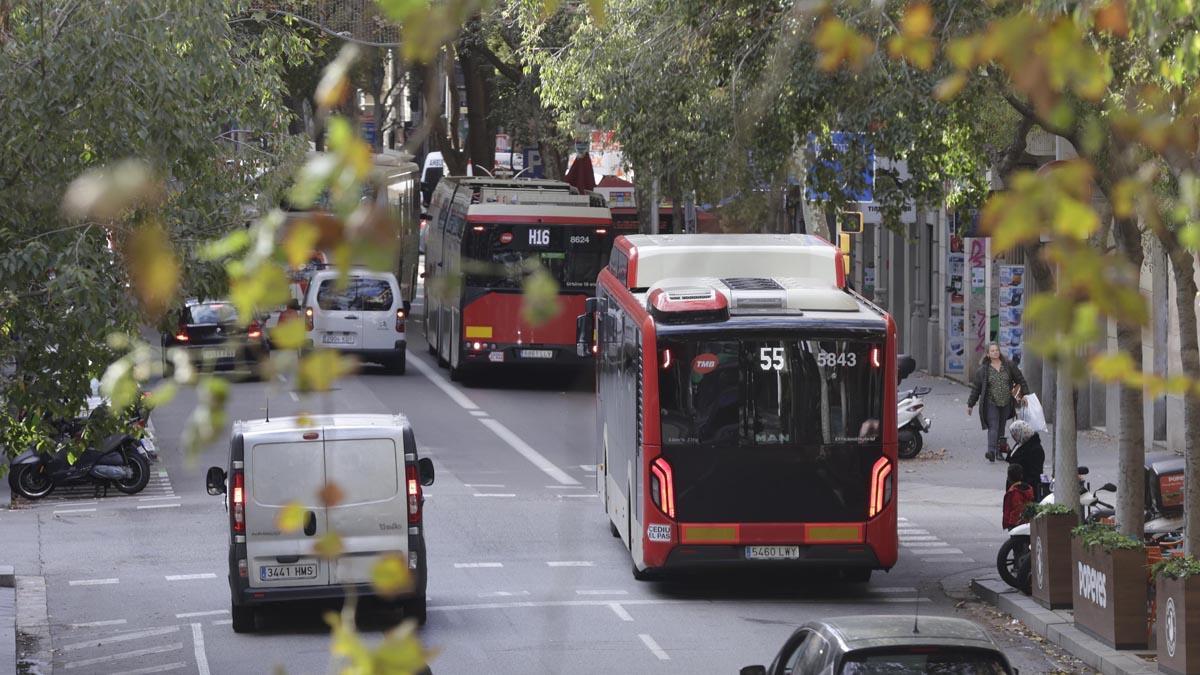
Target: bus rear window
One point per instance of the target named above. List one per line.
(499, 256)
(774, 391)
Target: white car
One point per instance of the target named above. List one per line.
(365, 317)
(284, 461)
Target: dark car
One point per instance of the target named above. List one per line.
(899, 645)
(213, 338)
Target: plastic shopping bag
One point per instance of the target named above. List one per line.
(1032, 414)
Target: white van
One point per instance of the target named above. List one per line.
(365, 317)
(272, 463)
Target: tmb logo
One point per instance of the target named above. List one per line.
(1091, 585)
(704, 364)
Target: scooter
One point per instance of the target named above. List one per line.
(911, 422)
(119, 460)
(1012, 560)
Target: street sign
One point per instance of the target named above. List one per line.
(846, 155)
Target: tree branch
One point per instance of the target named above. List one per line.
(508, 70)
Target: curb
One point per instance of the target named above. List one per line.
(33, 654)
(8, 623)
(1058, 627)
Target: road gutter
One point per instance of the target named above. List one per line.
(33, 655)
(1059, 628)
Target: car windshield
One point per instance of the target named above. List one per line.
(925, 660)
(499, 256)
(769, 390)
(362, 294)
(212, 312)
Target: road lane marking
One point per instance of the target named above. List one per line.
(99, 624)
(903, 532)
(894, 589)
(153, 499)
(198, 640)
(653, 647)
(92, 582)
(60, 511)
(294, 396)
(587, 496)
(441, 383)
(940, 551)
(190, 577)
(918, 537)
(569, 563)
(588, 467)
(479, 413)
(597, 592)
(620, 611)
(125, 655)
(474, 565)
(483, 485)
(121, 637)
(923, 544)
(189, 615)
(153, 669)
(494, 494)
(503, 594)
(564, 487)
(223, 622)
(528, 452)
(159, 506)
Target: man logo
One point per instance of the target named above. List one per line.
(704, 364)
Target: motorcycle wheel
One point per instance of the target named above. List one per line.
(141, 475)
(910, 444)
(1008, 558)
(31, 483)
(1024, 575)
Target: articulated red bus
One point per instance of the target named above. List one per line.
(485, 237)
(746, 405)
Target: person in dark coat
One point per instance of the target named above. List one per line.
(1028, 453)
(998, 386)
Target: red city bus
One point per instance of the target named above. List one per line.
(485, 236)
(746, 405)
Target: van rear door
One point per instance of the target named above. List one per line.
(378, 300)
(367, 464)
(338, 323)
(281, 469)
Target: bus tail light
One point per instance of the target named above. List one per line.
(237, 499)
(478, 228)
(414, 494)
(876, 358)
(400, 315)
(881, 487)
(308, 318)
(666, 359)
(601, 230)
(662, 486)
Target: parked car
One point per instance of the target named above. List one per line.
(213, 337)
(364, 316)
(275, 463)
(869, 644)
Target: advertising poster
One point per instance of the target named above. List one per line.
(1012, 310)
(978, 311)
(956, 326)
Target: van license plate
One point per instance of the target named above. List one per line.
(273, 572)
(772, 553)
(338, 338)
(537, 353)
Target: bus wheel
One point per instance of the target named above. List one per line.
(458, 374)
(858, 575)
(644, 575)
(431, 349)
(612, 529)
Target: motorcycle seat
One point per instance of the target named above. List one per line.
(111, 443)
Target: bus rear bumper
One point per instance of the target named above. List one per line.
(709, 556)
(495, 353)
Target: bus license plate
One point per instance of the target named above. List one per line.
(273, 572)
(537, 353)
(772, 553)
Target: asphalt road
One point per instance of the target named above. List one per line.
(524, 576)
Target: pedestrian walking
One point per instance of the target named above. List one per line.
(1028, 453)
(998, 386)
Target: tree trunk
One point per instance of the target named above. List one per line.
(481, 136)
(1131, 443)
(1066, 466)
(1183, 266)
(553, 159)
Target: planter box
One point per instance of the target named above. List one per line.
(1050, 559)
(1178, 625)
(1109, 590)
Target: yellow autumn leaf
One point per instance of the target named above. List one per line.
(329, 545)
(1113, 18)
(265, 286)
(539, 298)
(1178, 385)
(596, 9)
(335, 82)
(949, 86)
(300, 243)
(154, 267)
(291, 518)
(289, 333)
(917, 20)
(319, 370)
(401, 652)
(1075, 220)
(390, 576)
(838, 44)
(1112, 366)
(1124, 196)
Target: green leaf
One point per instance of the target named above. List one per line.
(232, 243)
(539, 300)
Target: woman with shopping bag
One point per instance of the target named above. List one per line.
(998, 387)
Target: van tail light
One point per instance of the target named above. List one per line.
(662, 486)
(308, 318)
(237, 499)
(254, 330)
(414, 494)
(400, 316)
(881, 487)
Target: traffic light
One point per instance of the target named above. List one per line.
(850, 222)
(844, 247)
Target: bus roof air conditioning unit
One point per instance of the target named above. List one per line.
(750, 294)
(688, 305)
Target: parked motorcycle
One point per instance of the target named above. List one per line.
(1012, 560)
(911, 422)
(119, 461)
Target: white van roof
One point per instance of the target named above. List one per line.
(340, 420)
